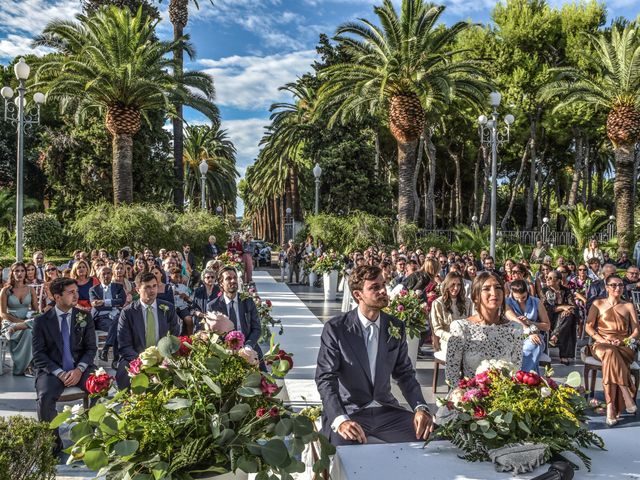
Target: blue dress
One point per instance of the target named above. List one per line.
(531, 352)
(20, 344)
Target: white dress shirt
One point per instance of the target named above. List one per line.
(82, 366)
(154, 309)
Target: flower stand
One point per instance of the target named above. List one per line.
(330, 284)
(313, 278)
(412, 346)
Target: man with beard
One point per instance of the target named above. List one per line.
(357, 358)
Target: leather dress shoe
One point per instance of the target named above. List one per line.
(104, 354)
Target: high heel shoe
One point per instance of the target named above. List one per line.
(632, 410)
(611, 421)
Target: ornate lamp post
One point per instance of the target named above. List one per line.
(611, 227)
(204, 168)
(16, 114)
(317, 171)
(474, 222)
(545, 230)
(491, 136)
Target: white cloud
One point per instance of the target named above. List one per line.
(15, 45)
(245, 135)
(251, 82)
(32, 15)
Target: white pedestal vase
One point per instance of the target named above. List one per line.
(313, 278)
(239, 475)
(412, 347)
(330, 284)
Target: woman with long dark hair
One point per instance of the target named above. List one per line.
(452, 305)
(563, 313)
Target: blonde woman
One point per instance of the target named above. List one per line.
(80, 273)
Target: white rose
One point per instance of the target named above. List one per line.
(545, 392)
(100, 371)
(77, 409)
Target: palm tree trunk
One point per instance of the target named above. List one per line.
(456, 198)
(416, 171)
(407, 152)
(178, 133)
(577, 167)
(122, 145)
(430, 206)
(484, 208)
(476, 176)
(623, 194)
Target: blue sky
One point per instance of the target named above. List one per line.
(251, 47)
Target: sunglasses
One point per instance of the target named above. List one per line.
(552, 278)
(516, 271)
(52, 269)
(582, 269)
(615, 285)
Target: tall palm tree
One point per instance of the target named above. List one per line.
(111, 63)
(616, 88)
(179, 18)
(397, 71)
(211, 144)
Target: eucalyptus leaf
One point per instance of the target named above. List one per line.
(302, 426)
(247, 464)
(226, 436)
(213, 364)
(284, 427)
(168, 345)
(159, 470)
(59, 419)
(275, 453)
(80, 430)
(95, 459)
(177, 403)
(253, 380)
(239, 411)
(490, 434)
(139, 383)
(126, 448)
(97, 412)
(248, 392)
(215, 388)
(109, 425)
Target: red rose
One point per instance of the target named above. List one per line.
(98, 384)
(273, 412)
(479, 412)
(261, 412)
(184, 350)
(268, 302)
(268, 388)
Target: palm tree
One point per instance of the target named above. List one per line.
(583, 223)
(179, 17)
(616, 88)
(397, 71)
(211, 144)
(111, 63)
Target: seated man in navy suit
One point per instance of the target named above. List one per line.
(243, 313)
(64, 346)
(356, 361)
(107, 299)
(142, 324)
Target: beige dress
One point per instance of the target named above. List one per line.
(616, 360)
(441, 319)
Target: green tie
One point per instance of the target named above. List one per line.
(150, 335)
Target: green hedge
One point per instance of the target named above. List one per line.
(355, 231)
(42, 231)
(26, 449)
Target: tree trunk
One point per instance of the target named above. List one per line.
(455, 194)
(533, 153)
(416, 171)
(476, 176)
(577, 167)
(623, 195)
(430, 205)
(296, 210)
(122, 145)
(178, 134)
(484, 209)
(514, 190)
(407, 152)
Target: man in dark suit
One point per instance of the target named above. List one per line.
(357, 357)
(64, 346)
(211, 251)
(598, 288)
(142, 324)
(107, 299)
(243, 313)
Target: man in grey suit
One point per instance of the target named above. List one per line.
(243, 313)
(142, 324)
(357, 358)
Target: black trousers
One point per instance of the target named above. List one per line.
(109, 325)
(391, 425)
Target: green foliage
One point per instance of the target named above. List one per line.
(408, 232)
(43, 231)
(584, 223)
(432, 240)
(26, 449)
(471, 239)
(195, 227)
(345, 234)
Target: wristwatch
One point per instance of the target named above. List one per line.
(422, 407)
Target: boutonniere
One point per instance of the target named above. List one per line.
(164, 308)
(244, 296)
(81, 319)
(394, 332)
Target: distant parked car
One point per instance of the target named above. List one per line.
(261, 253)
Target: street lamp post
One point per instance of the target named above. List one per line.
(611, 227)
(204, 168)
(317, 171)
(15, 113)
(545, 230)
(474, 222)
(288, 222)
(491, 135)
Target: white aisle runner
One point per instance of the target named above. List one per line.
(302, 330)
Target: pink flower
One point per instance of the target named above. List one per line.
(400, 308)
(483, 378)
(135, 367)
(98, 384)
(249, 354)
(404, 293)
(268, 302)
(252, 290)
(268, 388)
(474, 394)
(273, 412)
(234, 340)
(218, 322)
(261, 412)
(479, 412)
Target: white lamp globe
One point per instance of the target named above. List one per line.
(203, 167)
(509, 119)
(6, 92)
(38, 98)
(21, 69)
(317, 171)
(494, 99)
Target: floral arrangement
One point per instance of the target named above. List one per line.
(198, 405)
(99, 382)
(501, 407)
(408, 307)
(328, 262)
(308, 262)
(231, 260)
(267, 321)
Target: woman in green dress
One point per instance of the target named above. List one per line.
(17, 302)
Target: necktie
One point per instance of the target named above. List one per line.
(232, 314)
(372, 347)
(67, 358)
(40, 273)
(150, 331)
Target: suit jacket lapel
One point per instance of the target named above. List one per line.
(163, 325)
(383, 339)
(241, 318)
(355, 340)
(139, 325)
(54, 327)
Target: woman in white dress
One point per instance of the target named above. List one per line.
(486, 335)
(593, 251)
(452, 305)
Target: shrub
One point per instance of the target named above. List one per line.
(26, 449)
(348, 233)
(42, 231)
(195, 226)
(113, 227)
(332, 229)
